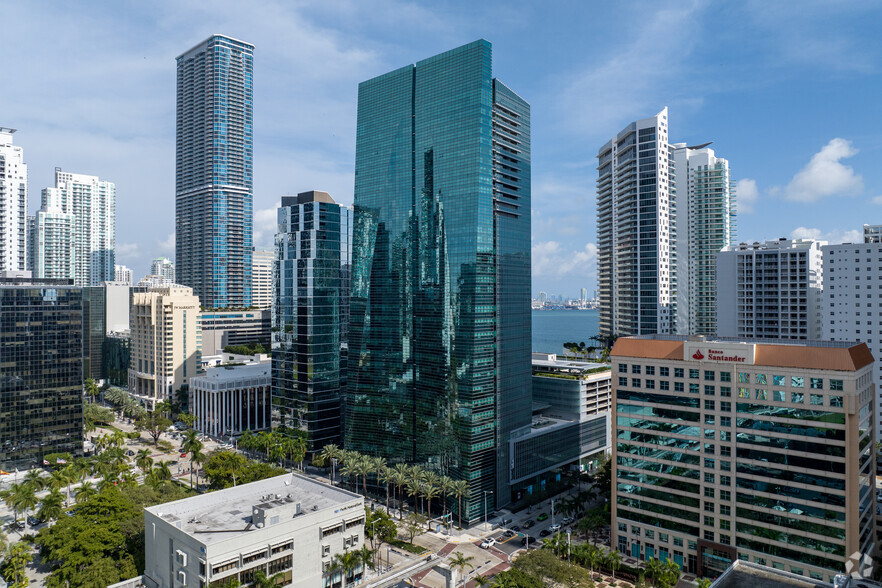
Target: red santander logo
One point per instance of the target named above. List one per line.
(697, 354)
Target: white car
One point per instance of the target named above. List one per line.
(488, 543)
(554, 528)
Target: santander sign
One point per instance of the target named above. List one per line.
(720, 355)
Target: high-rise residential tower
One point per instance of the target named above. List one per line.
(663, 211)
(635, 231)
(311, 315)
(770, 290)
(13, 203)
(164, 268)
(439, 353)
(75, 230)
(705, 223)
(122, 275)
(262, 278)
(213, 214)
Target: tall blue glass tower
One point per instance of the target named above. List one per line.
(439, 342)
(213, 215)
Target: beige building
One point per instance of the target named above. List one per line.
(262, 278)
(166, 341)
(755, 450)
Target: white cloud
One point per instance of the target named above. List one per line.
(167, 246)
(265, 225)
(552, 260)
(877, 200)
(825, 175)
(834, 236)
(747, 194)
(124, 250)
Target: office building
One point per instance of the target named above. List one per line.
(222, 328)
(636, 208)
(751, 449)
(570, 428)
(13, 203)
(770, 290)
(165, 343)
(439, 345)
(262, 278)
(41, 375)
(164, 268)
(229, 400)
(117, 296)
(705, 223)
(30, 231)
(311, 315)
(116, 357)
(214, 179)
(123, 275)
(75, 230)
(94, 331)
(289, 524)
(852, 305)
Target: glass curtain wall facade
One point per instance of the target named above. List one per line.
(94, 332)
(214, 188)
(41, 372)
(311, 315)
(439, 369)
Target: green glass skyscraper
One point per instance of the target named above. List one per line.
(439, 354)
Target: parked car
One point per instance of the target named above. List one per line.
(34, 521)
(544, 533)
(567, 520)
(515, 528)
(130, 453)
(488, 543)
(70, 513)
(505, 522)
(529, 523)
(183, 455)
(508, 534)
(542, 517)
(527, 539)
(17, 525)
(555, 528)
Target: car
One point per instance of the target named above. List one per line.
(70, 513)
(544, 533)
(130, 453)
(34, 521)
(488, 543)
(555, 528)
(505, 522)
(542, 517)
(17, 525)
(567, 520)
(183, 455)
(527, 539)
(529, 523)
(515, 528)
(172, 462)
(508, 534)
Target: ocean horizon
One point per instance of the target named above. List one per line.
(553, 328)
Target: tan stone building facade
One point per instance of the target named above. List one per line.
(732, 449)
(166, 341)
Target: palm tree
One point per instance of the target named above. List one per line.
(26, 497)
(85, 492)
(34, 480)
(430, 491)
(378, 465)
(362, 468)
(143, 460)
(414, 480)
(91, 389)
(461, 490)
(59, 479)
(198, 458)
(672, 572)
(329, 454)
(191, 445)
(593, 556)
(399, 479)
(414, 490)
(262, 581)
(345, 562)
(655, 569)
(461, 562)
(10, 496)
(446, 485)
(366, 555)
(386, 477)
(613, 561)
(51, 505)
(703, 582)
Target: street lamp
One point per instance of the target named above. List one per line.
(374, 542)
(552, 512)
(569, 544)
(486, 492)
(333, 465)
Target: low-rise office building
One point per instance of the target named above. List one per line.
(289, 524)
(229, 400)
(732, 449)
(221, 328)
(570, 425)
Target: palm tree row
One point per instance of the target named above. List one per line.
(349, 561)
(276, 445)
(419, 482)
(124, 403)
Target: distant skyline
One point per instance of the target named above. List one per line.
(787, 93)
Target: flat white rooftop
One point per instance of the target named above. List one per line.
(219, 515)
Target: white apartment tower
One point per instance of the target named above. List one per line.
(166, 341)
(262, 278)
(90, 204)
(163, 267)
(770, 290)
(635, 230)
(705, 223)
(852, 301)
(122, 274)
(13, 203)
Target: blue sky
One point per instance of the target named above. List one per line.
(787, 91)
